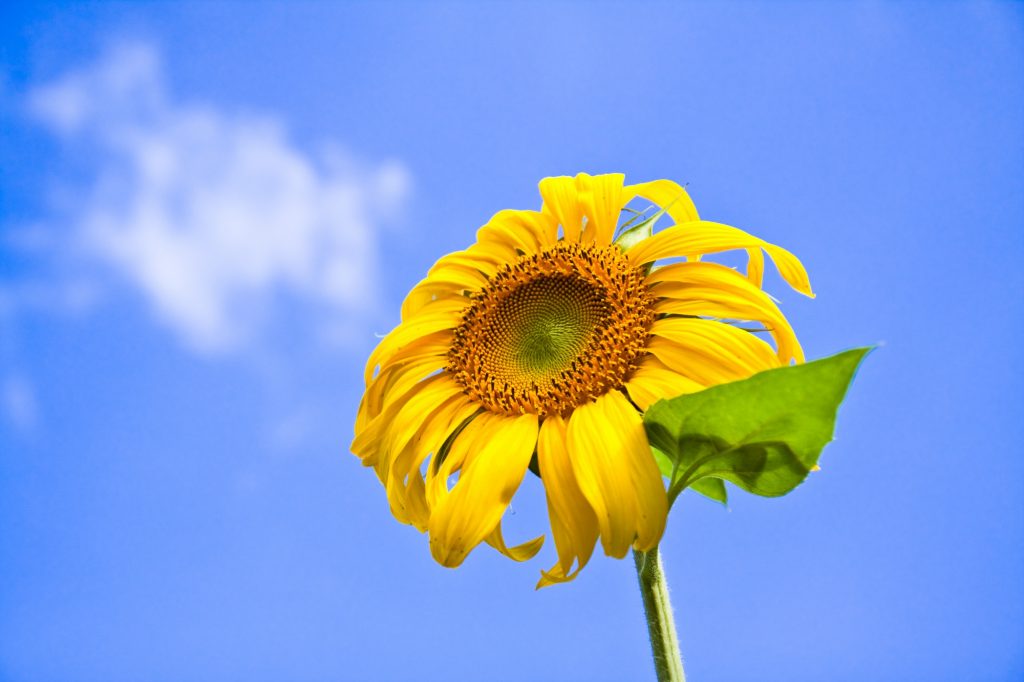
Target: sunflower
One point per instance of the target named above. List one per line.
(539, 347)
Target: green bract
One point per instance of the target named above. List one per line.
(632, 234)
(764, 433)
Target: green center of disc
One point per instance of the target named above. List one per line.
(545, 325)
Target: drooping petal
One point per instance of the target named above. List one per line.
(521, 552)
(617, 473)
(713, 290)
(561, 202)
(437, 427)
(703, 237)
(440, 316)
(708, 351)
(405, 486)
(653, 381)
(404, 423)
(601, 197)
(487, 482)
(446, 463)
(435, 344)
(416, 510)
(378, 410)
(563, 543)
(755, 267)
(393, 383)
(667, 195)
(651, 500)
(429, 290)
(573, 522)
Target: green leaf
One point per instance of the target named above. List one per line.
(712, 488)
(763, 434)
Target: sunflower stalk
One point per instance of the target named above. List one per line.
(661, 627)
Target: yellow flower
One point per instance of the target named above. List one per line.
(542, 343)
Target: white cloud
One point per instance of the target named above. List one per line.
(212, 214)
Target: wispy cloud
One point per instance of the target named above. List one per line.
(213, 214)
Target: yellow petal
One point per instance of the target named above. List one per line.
(498, 251)
(562, 203)
(429, 290)
(461, 449)
(755, 267)
(563, 542)
(525, 231)
(523, 552)
(708, 351)
(617, 473)
(470, 261)
(393, 383)
(486, 485)
(416, 510)
(573, 522)
(665, 194)
(653, 381)
(411, 364)
(405, 486)
(405, 422)
(459, 272)
(713, 290)
(651, 500)
(409, 332)
(702, 237)
(601, 198)
(378, 410)
(435, 344)
(437, 427)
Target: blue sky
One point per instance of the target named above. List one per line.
(208, 211)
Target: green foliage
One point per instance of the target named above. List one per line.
(763, 434)
(635, 234)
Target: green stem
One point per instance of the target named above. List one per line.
(660, 625)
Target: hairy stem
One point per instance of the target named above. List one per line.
(660, 625)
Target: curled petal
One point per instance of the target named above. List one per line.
(573, 523)
(617, 473)
(473, 508)
(703, 237)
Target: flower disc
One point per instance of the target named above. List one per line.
(553, 331)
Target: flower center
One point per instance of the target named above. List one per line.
(553, 331)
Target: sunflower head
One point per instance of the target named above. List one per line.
(547, 339)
